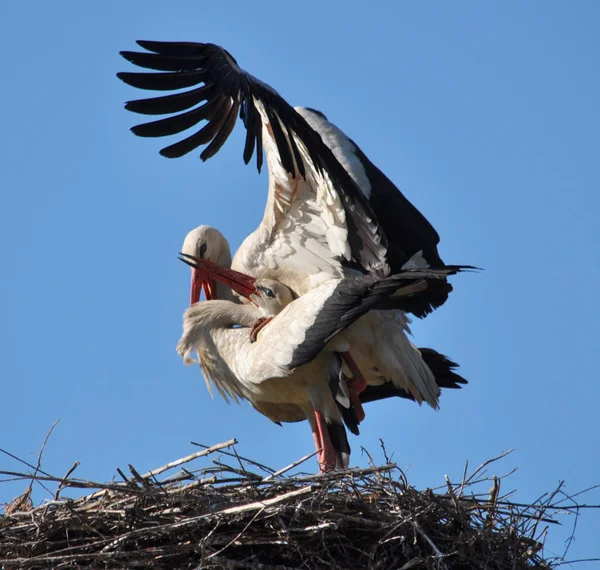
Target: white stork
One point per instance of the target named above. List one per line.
(330, 212)
(293, 369)
(328, 207)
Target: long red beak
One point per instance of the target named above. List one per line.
(205, 273)
(201, 280)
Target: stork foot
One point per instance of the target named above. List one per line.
(258, 326)
(358, 382)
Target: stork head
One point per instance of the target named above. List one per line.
(271, 296)
(205, 242)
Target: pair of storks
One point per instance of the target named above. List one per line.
(308, 321)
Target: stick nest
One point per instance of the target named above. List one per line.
(236, 513)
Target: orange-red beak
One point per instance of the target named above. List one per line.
(205, 273)
(201, 280)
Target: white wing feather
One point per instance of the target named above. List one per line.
(303, 231)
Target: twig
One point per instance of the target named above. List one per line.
(592, 488)
(290, 466)
(266, 502)
(238, 536)
(242, 472)
(189, 458)
(385, 455)
(122, 475)
(578, 561)
(37, 469)
(437, 551)
(251, 461)
(39, 460)
(464, 480)
(486, 463)
(141, 480)
(77, 483)
(574, 529)
(453, 496)
(63, 481)
(27, 464)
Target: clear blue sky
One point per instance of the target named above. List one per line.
(485, 114)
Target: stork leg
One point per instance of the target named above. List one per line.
(355, 385)
(258, 326)
(326, 455)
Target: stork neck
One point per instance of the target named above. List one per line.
(223, 314)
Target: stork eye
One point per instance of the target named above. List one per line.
(268, 292)
(202, 250)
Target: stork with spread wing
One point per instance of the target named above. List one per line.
(330, 212)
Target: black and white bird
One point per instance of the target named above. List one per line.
(378, 350)
(291, 370)
(329, 208)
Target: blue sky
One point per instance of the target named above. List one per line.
(486, 115)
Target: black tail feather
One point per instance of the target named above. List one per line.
(350, 419)
(339, 390)
(443, 371)
(442, 368)
(339, 440)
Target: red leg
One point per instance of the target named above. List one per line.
(354, 398)
(326, 456)
(356, 385)
(258, 326)
(358, 382)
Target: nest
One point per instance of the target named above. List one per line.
(237, 513)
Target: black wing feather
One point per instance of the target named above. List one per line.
(162, 81)
(159, 62)
(174, 49)
(352, 298)
(182, 122)
(184, 64)
(248, 115)
(169, 103)
(259, 144)
(408, 231)
(223, 133)
(203, 136)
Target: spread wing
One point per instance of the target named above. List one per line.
(305, 175)
(411, 240)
